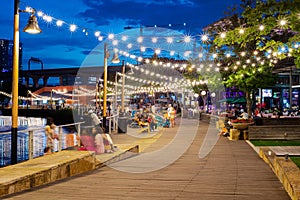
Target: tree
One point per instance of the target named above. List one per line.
(250, 45)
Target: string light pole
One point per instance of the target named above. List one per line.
(32, 28)
(106, 56)
(122, 122)
(123, 85)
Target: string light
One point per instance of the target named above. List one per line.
(73, 27)
(204, 38)
(97, 33)
(140, 39)
(59, 23)
(282, 22)
(241, 31)
(111, 36)
(187, 39)
(261, 27)
(171, 39)
(223, 35)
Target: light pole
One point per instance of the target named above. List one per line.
(106, 55)
(32, 27)
(115, 59)
(116, 92)
(123, 85)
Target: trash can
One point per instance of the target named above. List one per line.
(122, 125)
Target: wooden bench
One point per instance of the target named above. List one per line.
(275, 132)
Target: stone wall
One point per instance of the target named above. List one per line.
(286, 170)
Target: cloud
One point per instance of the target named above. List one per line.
(107, 16)
(196, 14)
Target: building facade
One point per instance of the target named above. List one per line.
(6, 55)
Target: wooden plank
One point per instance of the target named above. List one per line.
(282, 132)
(283, 150)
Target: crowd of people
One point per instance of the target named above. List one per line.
(238, 113)
(154, 118)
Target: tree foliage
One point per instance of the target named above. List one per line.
(251, 43)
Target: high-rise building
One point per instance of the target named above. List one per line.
(6, 55)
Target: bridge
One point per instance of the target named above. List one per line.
(66, 76)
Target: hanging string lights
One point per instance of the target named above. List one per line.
(196, 59)
(185, 39)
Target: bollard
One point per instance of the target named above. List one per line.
(78, 133)
(109, 126)
(60, 138)
(30, 145)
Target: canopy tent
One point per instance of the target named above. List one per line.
(234, 100)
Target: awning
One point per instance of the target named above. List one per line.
(234, 100)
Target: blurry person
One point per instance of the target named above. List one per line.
(51, 136)
(99, 143)
(171, 115)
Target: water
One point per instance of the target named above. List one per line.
(39, 138)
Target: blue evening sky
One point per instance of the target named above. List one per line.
(58, 47)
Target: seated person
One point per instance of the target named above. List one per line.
(226, 127)
(244, 115)
(108, 143)
(135, 121)
(142, 120)
(99, 143)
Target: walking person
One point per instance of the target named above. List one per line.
(171, 115)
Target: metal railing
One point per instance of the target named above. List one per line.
(112, 121)
(32, 141)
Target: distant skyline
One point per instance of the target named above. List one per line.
(58, 47)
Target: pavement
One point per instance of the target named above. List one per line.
(228, 170)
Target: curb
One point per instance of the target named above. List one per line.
(57, 166)
(286, 170)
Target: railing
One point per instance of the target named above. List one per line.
(32, 141)
(114, 119)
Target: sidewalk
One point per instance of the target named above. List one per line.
(232, 170)
(67, 163)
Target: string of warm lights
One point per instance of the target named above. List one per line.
(172, 65)
(254, 59)
(204, 38)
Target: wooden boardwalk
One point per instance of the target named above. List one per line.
(232, 170)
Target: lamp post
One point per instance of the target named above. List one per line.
(122, 121)
(32, 27)
(106, 55)
(123, 85)
(116, 92)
